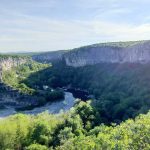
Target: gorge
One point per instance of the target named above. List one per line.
(112, 80)
(96, 69)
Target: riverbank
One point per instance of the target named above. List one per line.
(53, 107)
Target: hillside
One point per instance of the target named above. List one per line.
(14, 93)
(121, 90)
(74, 130)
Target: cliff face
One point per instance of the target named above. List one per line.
(113, 52)
(7, 62)
(49, 57)
(133, 53)
(8, 95)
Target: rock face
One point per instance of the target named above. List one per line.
(13, 98)
(9, 96)
(113, 52)
(7, 62)
(137, 52)
(49, 57)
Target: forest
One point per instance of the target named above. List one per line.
(15, 77)
(76, 129)
(113, 119)
(121, 91)
(74, 74)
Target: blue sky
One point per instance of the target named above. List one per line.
(44, 25)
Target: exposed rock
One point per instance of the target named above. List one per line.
(112, 52)
(7, 62)
(136, 53)
(11, 97)
(49, 57)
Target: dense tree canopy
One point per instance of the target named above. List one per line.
(69, 131)
(121, 90)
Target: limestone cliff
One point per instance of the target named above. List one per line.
(136, 52)
(7, 62)
(111, 52)
(8, 95)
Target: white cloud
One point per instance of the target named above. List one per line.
(44, 34)
(22, 31)
(122, 31)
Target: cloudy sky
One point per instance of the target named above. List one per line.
(44, 25)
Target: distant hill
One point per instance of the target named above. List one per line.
(48, 57)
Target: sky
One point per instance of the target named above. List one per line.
(47, 25)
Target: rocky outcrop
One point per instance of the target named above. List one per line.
(10, 97)
(7, 62)
(138, 52)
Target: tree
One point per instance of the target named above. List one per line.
(65, 134)
(36, 147)
(87, 113)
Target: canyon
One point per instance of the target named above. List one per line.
(137, 52)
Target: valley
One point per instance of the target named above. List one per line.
(38, 98)
(113, 86)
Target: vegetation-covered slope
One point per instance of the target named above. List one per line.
(15, 87)
(115, 44)
(75, 130)
(16, 75)
(122, 90)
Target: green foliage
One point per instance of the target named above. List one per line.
(121, 90)
(17, 75)
(65, 135)
(86, 113)
(109, 44)
(67, 131)
(128, 135)
(54, 95)
(36, 147)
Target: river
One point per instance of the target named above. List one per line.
(53, 108)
